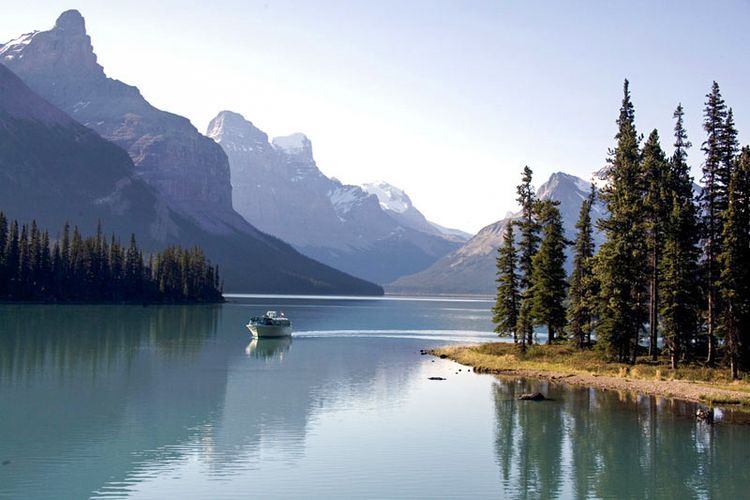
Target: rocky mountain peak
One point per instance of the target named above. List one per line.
(71, 22)
(229, 126)
(65, 49)
(389, 196)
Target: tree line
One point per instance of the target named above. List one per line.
(675, 262)
(98, 269)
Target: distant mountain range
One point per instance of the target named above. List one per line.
(172, 185)
(371, 231)
(471, 268)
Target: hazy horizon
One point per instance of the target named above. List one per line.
(447, 101)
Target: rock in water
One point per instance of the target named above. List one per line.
(436, 378)
(705, 415)
(532, 396)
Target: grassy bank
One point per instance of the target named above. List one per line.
(586, 367)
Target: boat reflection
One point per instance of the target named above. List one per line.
(269, 348)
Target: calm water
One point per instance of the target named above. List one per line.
(177, 402)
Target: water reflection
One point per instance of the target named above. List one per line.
(270, 348)
(99, 400)
(606, 444)
(173, 402)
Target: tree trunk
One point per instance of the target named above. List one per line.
(550, 334)
(654, 303)
(711, 348)
(710, 355)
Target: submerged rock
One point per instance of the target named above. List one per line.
(532, 396)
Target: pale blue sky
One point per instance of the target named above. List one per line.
(446, 99)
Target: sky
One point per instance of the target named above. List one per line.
(447, 100)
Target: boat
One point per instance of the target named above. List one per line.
(270, 324)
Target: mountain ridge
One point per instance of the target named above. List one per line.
(471, 268)
(186, 173)
(278, 187)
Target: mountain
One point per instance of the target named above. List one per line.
(187, 174)
(187, 169)
(396, 203)
(55, 170)
(278, 187)
(471, 268)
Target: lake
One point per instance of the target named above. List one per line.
(178, 402)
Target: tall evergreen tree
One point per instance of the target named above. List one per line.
(12, 260)
(734, 281)
(713, 203)
(679, 285)
(529, 242)
(505, 311)
(3, 264)
(620, 262)
(583, 289)
(656, 203)
(548, 280)
(96, 272)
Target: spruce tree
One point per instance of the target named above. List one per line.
(714, 202)
(24, 264)
(620, 263)
(582, 288)
(656, 203)
(505, 311)
(679, 285)
(12, 261)
(3, 264)
(529, 242)
(734, 282)
(548, 280)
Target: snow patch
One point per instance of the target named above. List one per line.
(390, 197)
(344, 198)
(14, 47)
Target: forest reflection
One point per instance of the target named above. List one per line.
(587, 443)
(64, 337)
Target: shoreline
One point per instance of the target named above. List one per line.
(704, 393)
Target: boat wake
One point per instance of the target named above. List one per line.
(439, 335)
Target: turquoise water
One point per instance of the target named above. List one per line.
(177, 402)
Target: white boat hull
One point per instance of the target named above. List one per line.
(266, 331)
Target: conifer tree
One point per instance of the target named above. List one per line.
(89, 269)
(734, 281)
(3, 264)
(529, 242)
(656, 203)
(548, 280)
(12, 260)
(679, 285)
(505, 311)
(582, 289)
(24, 263)
(620, 262)
(713, 203)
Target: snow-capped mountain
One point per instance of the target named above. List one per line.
(278, 187)
(471, 268)
(186, 172)
(398, 205)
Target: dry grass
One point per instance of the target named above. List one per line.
(560, 361)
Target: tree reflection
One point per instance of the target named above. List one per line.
(587, 443)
